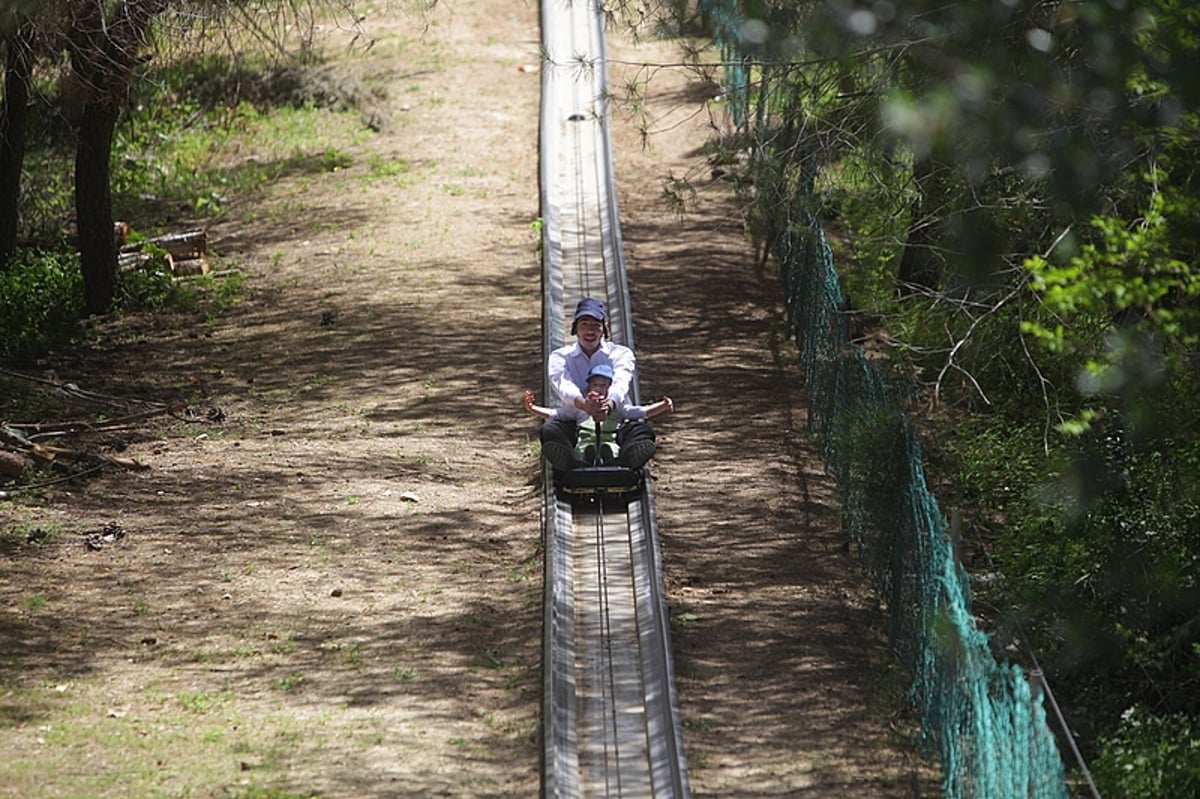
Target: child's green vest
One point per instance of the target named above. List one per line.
(608, 439)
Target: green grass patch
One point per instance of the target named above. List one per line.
(72, 739)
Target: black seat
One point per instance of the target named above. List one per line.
(609, 480)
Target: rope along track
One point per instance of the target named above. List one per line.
(610, 720)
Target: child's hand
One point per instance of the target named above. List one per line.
(594, 405)
(669, 403)
(529, 401)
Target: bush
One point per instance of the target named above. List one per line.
(152, 286)
(41, 304)
(1150, 757)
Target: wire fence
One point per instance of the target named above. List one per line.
(985, 717)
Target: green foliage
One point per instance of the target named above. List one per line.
(1150, 756)
(1102, 560)
(48, 196)
(1124, 313)
(1127, 273)
(998, 461)
(1044, 159)
(41, 305)
(871, 202)
(165, 166)
(176, 148)
(178, 142)
(152, 286)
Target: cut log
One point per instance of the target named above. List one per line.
(12, 465)
(184, 246)
(187, 253)
(128, 261)
(190, 266)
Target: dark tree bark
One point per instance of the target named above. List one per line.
(13, 113)
(921, 266)
(105, 50)
(93, 207)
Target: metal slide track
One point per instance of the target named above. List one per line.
(610, 718)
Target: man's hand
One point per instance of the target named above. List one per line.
(594, 405)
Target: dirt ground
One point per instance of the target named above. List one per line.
(333, 586)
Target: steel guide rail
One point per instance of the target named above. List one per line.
(610, 717)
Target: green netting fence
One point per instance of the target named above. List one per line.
(985, 718)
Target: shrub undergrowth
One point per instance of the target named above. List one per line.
(41, 304)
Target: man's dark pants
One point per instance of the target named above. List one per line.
(566, 431)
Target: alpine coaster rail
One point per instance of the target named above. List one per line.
(610, 718)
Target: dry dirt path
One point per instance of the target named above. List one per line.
(785, 684)
(337, 590)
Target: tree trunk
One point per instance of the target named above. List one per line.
(13, 113)
(93, 207)
(104, 51)
(921, 267)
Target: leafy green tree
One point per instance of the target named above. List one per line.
(1018, 183)
(1126, 280)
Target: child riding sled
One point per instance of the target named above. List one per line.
(597, 442)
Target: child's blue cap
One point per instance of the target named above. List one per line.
(600, 370)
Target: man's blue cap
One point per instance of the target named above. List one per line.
(590, 306)
(600, 370)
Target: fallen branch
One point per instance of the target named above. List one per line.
(17, 443)
(15, 490)
(41, 430)
(73, 390)
(48, 454)
(26, 448)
